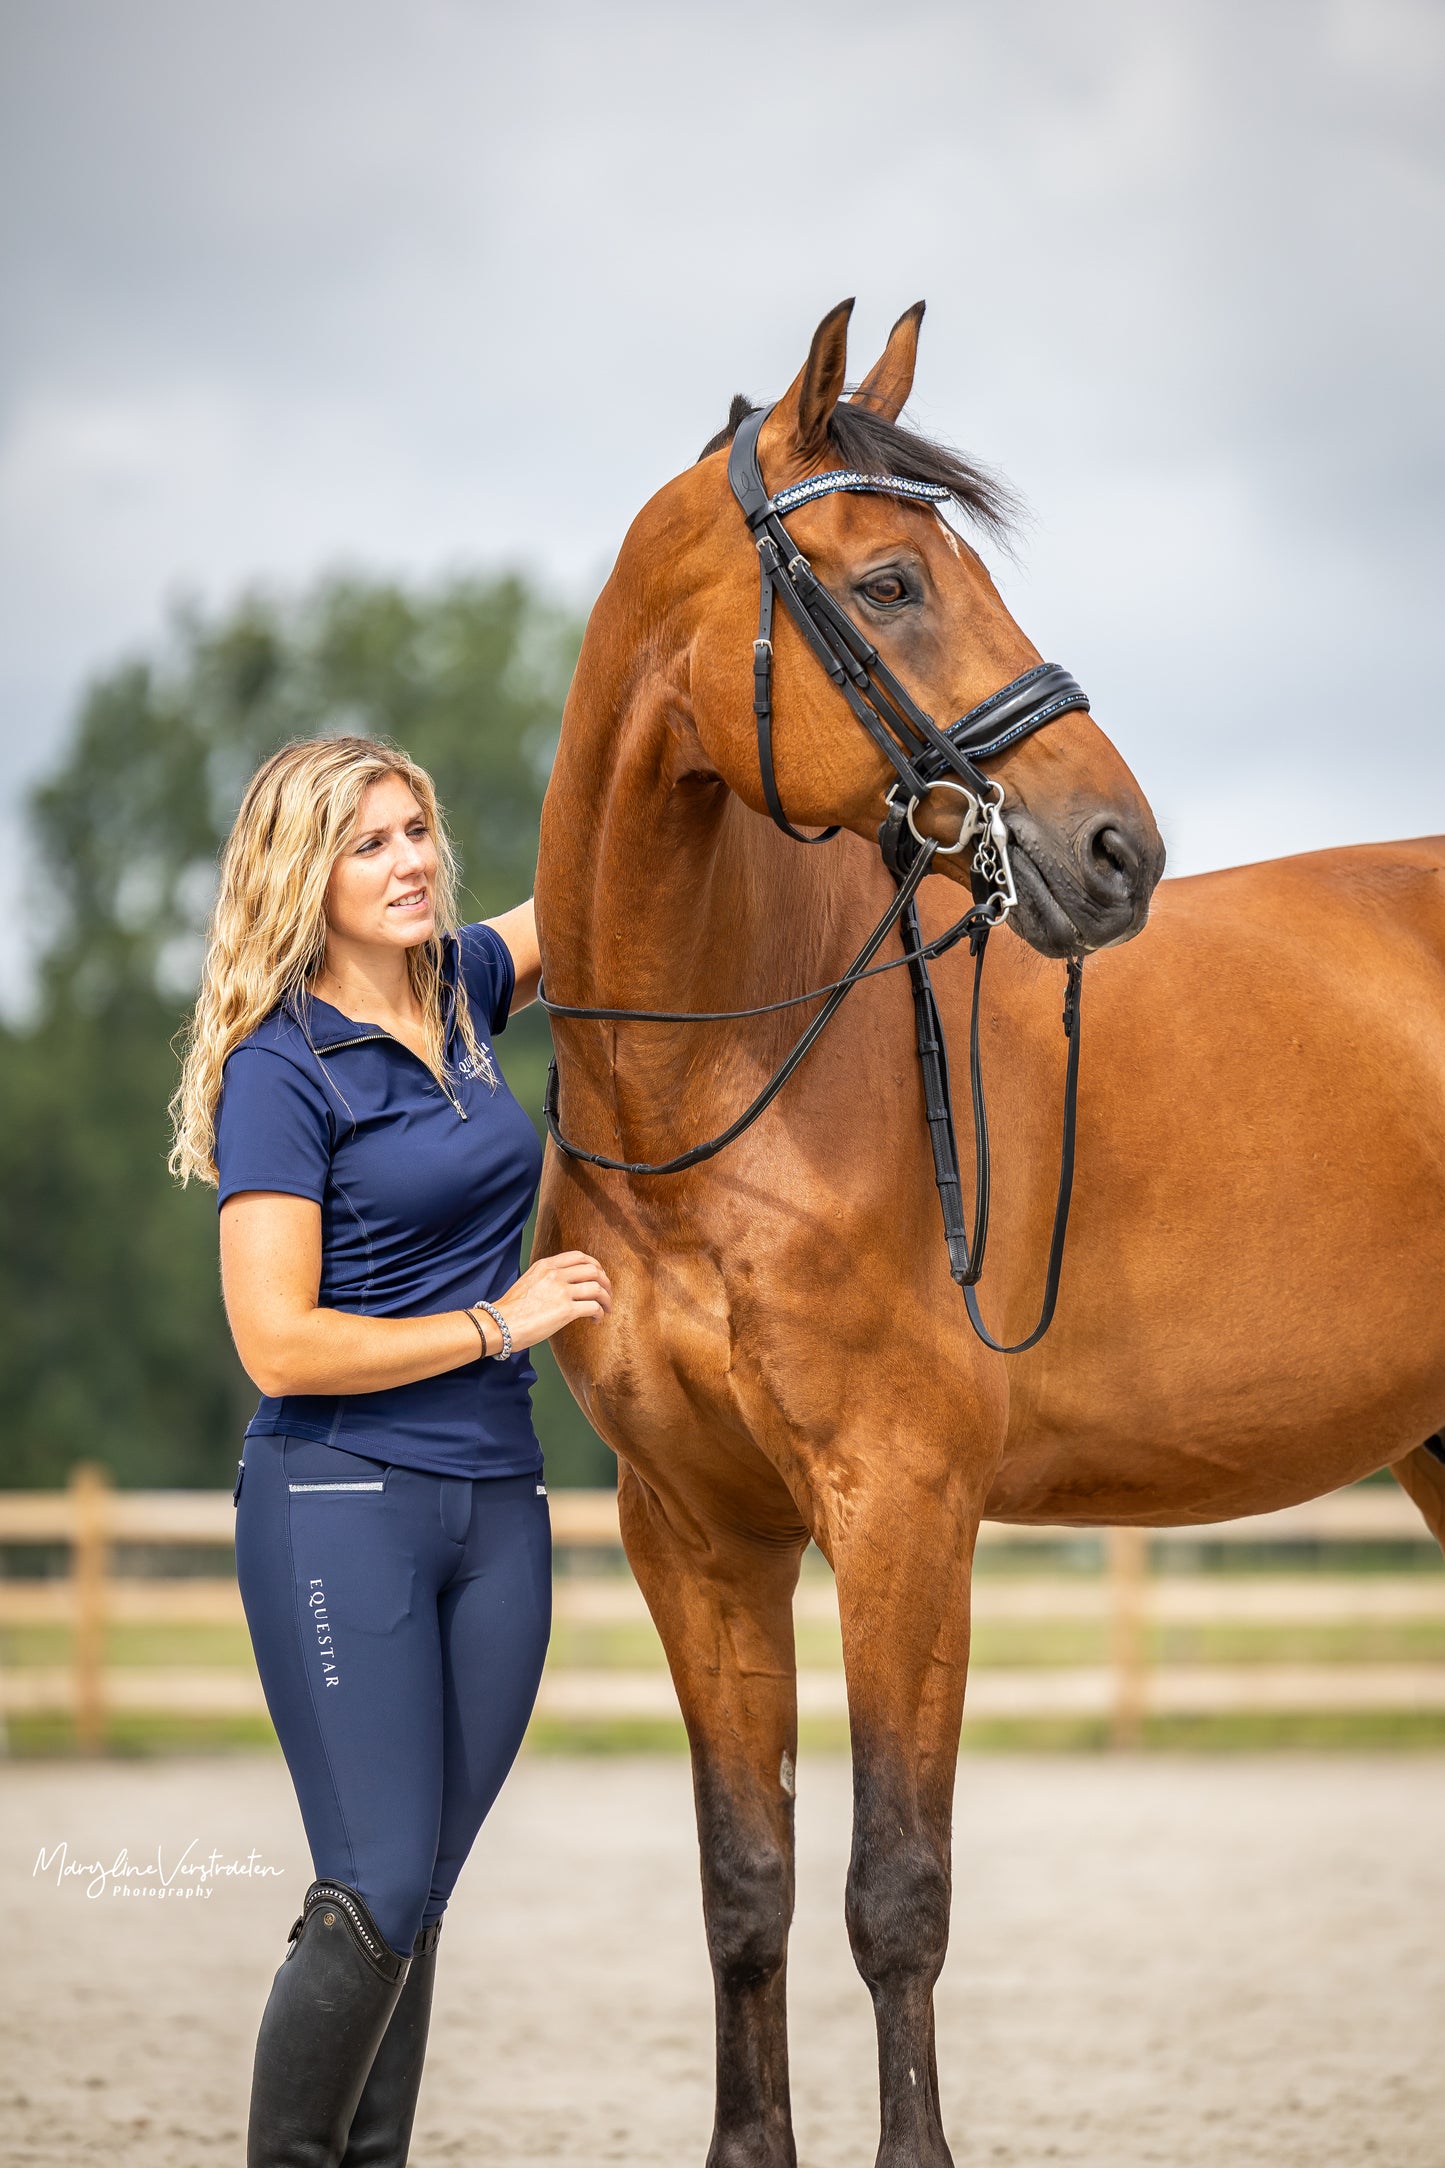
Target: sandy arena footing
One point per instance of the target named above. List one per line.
(1205, 1963)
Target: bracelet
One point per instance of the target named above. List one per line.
(501, 1324)
(481, 1332)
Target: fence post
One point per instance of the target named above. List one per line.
(1128, 1580)
(89, 1495)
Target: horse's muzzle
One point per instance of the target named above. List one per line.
(1089, 891)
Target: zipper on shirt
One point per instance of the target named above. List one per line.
(374, 1038)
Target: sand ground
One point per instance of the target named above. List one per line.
(1221, 1962)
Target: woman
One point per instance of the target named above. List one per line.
(392, 1536)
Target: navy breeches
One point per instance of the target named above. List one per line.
(399, 1621)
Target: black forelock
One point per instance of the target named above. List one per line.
(867, 443)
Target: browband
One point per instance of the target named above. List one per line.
(881, 485)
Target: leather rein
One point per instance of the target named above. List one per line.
(924, 759)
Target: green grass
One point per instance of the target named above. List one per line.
(1004, 1645)
(1359, 1641)
(1058, 1643)
(133, 1648)
(623, 1647)
(138, 1735)
(141, 1736)
(610, 1735)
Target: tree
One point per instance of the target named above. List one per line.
(112, 1340)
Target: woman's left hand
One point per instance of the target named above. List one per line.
(553, 1292)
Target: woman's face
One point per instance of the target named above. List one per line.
(381, 887)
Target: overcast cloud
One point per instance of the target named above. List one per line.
(415, 287)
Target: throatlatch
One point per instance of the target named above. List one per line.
(924, 759)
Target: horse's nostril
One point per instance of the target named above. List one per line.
(1110, 855)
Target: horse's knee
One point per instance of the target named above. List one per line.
(898, 1904)
(747, 1882)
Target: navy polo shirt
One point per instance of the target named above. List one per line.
(424, 1193)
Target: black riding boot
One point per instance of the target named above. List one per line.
(328, 2011)
(381, 2127)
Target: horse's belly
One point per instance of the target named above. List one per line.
(1313, 1356)
(1220, 1410)
(1124, 1482)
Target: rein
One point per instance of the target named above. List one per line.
(924, 759)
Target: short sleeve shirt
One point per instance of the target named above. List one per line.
(424, 1193)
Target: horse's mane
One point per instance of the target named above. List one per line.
(867, 443)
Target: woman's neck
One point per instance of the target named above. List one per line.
(369, 983)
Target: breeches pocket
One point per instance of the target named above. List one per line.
(351, 1548)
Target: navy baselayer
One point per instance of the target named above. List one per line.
(424, 1193)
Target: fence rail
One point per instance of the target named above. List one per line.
(1130, 1599)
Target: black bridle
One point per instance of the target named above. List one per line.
(924, 759)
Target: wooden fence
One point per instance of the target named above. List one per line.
(1134, 1590)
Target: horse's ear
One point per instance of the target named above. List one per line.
(797, 428)
(884, 390)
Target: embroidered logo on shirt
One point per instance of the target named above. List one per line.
(469, 1066)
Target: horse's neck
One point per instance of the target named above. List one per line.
(657, 889)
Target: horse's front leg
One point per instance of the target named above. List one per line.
(722, 1599)
(902, 1545)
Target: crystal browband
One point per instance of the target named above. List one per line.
(881, 485)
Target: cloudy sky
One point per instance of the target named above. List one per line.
(449, 283)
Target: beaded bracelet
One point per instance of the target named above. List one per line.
(501, 1324)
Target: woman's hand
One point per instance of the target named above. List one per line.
(553, 1292)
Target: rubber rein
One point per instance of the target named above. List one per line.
(924, 759)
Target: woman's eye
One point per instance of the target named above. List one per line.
(885, 588)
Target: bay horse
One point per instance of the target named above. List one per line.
(1250, 1309)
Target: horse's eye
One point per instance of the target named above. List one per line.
(886, 589)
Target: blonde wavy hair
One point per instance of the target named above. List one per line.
(267, 936)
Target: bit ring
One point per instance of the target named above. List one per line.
(970, 818)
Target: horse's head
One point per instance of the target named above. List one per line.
(1085, 848)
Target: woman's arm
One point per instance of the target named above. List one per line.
(271, 1276)
(519, 930)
